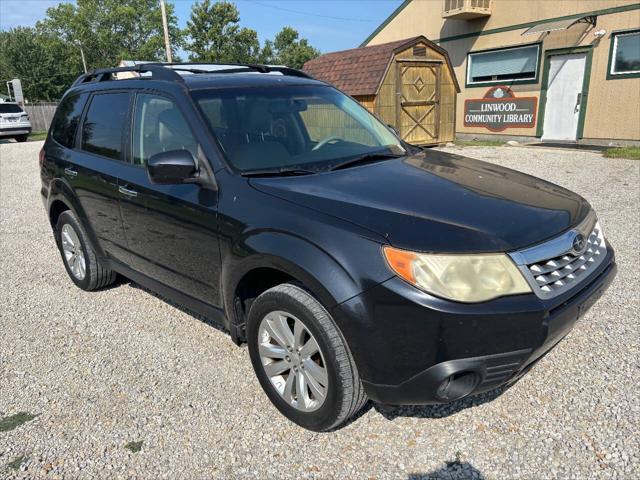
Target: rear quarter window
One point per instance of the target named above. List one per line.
(65, 122)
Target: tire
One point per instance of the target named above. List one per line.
(344, 394)
(95, 274)
(21, 138)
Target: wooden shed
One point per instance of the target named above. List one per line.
(410, 84)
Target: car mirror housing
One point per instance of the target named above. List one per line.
(172, 167)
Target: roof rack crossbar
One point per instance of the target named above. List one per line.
(169, 71)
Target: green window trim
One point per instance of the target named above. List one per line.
(507, 82)
(585, 86)
(612, 44)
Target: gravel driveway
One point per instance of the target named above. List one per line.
(97, 373)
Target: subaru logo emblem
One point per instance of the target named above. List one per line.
(579, 243)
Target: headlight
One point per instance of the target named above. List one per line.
(464, 278)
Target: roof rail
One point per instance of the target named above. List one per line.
(169, 71)
(104, 74)
(236, 68)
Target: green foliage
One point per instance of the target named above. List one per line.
(17, 462)
(14, 421)
(287, 49)
(632, 153)
(45, 64)
(47, 58)
(134, 447)
(113, 30)
(216, 36)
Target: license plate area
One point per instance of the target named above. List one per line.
(589, 302)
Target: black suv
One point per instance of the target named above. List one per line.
(354, 265)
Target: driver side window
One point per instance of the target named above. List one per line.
(159, 127)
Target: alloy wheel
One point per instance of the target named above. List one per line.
(72, 250)
(293, 361)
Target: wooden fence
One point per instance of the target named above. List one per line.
(40, 115)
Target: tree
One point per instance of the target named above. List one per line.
(113, 30)
(45, 64)
(287, 49)
(215, 35)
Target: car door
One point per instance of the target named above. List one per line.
(92, 168)
(171, 230)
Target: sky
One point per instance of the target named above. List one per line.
(329, 25)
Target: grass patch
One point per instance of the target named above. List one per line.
(135, 447)
(479, 143)
(16, 462)
(632, 153)
(14, 421)
(36, 136)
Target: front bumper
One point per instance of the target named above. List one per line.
(406, 343)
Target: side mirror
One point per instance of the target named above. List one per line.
(175, 166)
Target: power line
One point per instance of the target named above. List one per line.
(299, 12)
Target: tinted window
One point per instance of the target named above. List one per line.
(519, 63)
(65, 123)
(626, 49)
(159, 127)
(10, 108)
(103, 125)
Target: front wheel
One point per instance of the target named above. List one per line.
(301, 359)
(21, 138)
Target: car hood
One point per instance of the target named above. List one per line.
(438, 202)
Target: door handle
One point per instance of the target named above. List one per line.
(578, 101)
(70, 172)
(127, 192)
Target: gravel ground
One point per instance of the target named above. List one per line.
(101, 371)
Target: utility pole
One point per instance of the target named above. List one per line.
(166, 31)
(84, 62)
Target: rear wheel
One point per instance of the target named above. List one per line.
(21, 138)
(301, 359)
(78, 256)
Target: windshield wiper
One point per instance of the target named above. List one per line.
(369, 157)
(278, 172)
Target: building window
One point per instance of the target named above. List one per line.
(625, 54)
(513, 65)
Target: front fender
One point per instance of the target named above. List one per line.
(332, 278)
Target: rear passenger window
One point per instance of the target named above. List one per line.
(65, 122)
(159, 127)
(104, 123)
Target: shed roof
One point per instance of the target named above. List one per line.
(360, 71)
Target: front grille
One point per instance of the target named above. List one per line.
(554, 268)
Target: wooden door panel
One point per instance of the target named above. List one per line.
(418, 105)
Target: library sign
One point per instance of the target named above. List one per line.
(500, 109)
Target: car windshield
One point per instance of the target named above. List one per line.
(10, 108)
(303, 128)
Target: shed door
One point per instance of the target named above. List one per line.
(418, 106)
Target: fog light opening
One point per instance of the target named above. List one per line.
(458, 385)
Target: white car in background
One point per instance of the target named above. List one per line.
(14, 122)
